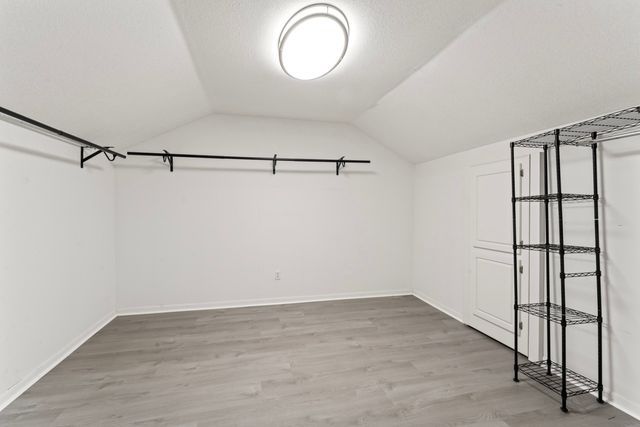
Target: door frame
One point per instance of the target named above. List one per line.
(536, 290)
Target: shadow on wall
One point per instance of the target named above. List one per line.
(606, 323)
(266, 170)
(28, 151)
(605, 232)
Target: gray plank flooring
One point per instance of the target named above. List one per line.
(380, 362)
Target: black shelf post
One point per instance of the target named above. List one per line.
(563, 302)
(547, 264)
(596, 227)
(515, 266)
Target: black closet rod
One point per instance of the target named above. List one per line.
(208, 156)
(77, 140)
(341, 162)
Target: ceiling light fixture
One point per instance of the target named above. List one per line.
(313, 41)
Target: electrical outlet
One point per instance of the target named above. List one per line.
(277, 275)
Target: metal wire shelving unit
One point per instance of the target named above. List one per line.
(553, 375)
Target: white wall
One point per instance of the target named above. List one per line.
(213, 233)
(442, 241)
(57, 260)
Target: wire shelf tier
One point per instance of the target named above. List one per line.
(576, 384)
(581, 274)
(579, 134)
(573, 317)
(568, 249)
(554, 198)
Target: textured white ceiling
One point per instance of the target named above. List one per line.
(113, 71)
(234, 47)
(524, 67)
(119, 71)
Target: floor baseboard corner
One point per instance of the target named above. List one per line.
(25, 383)
(214, 305)
(438, 306)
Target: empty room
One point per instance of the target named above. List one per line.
(299, 213)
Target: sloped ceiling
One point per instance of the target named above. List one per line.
(234, 47)
(119, 71)
(112, 71)
(524, 67)
(425, 77)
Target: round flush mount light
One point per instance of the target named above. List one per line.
(313, 41)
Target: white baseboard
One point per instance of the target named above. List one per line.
(613, 399)
(438, 306)
(10, 395)
(625, 405)
(168, 308)
(16, 390)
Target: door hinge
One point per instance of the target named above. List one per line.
(520, 325)
(521, 269)
(521, 171)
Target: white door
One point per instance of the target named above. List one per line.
(489, 297)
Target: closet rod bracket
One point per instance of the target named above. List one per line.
(167, 157)
(31, 124)
(84, 159)
(340, 164)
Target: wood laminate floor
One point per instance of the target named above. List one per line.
(381, 361)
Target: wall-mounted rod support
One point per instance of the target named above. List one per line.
(340, 164)
(166, 156)
(30, 123)
(84, 159)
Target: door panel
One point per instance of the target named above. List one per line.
(489, 297)
(494, 289)
(493, 210)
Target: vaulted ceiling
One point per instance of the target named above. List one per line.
(234, 48)
(424, 77)
(112, 71)
(121, 71)
(526, 66)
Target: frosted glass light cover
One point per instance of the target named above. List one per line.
(313, 42)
